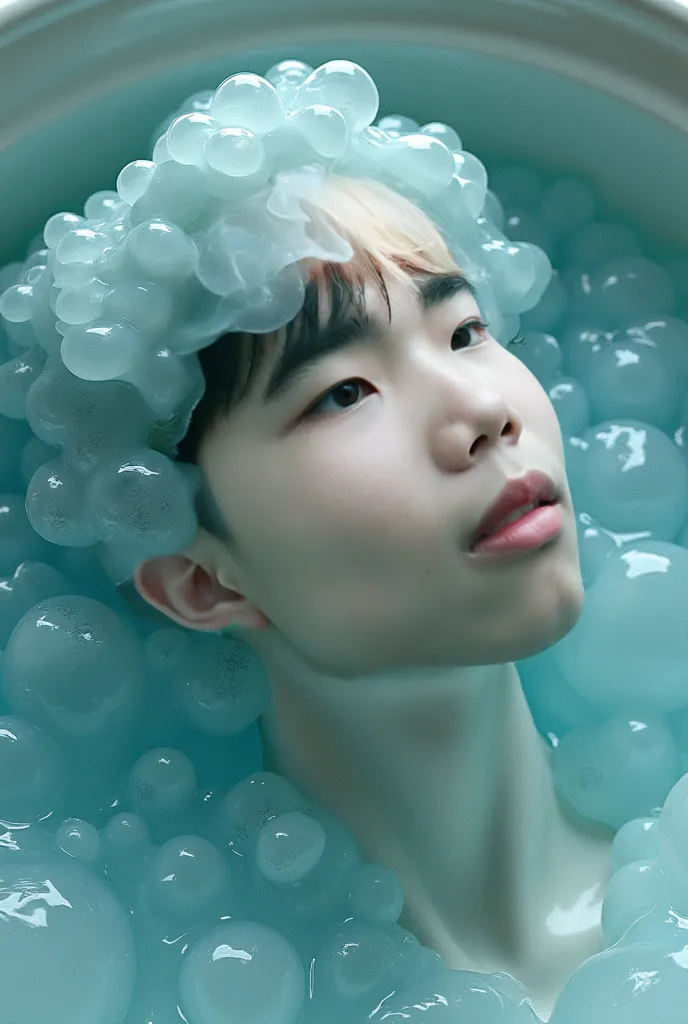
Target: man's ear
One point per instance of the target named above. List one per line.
(186, 589)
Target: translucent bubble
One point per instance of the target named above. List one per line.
(459, 995)
(126, 835)
(581, 344)
(423, 162)
(632, 380)
(233, 189)
(82, 304)
(74, 667)
(665, 335)
(18, 541)
(168, 383)
(567, 204)
(324, 128)
(630, 285)
(133, 180)
(16, 304)
(287, 77)
(444, 133)
(468, 166)
(618, 769)
(83, 245)
(247, 101)
(162, 250)
(16, 377)
(633, 891)
(167, 649)
(86, 416)
(34, 274)
(627, 378)
(188, 878)
(527, 226)
(31, 771)
(358, 962)
(161, 154)
(64, 927)
(104, 205)
(289, 846)
(102, 351)
(632, 631)
(637, 840)
(323, 893)
(242, 973)
(345, 86)
(661, 926)
(80, 840)
(148, 306)
(236, 152)
(555, 706)
(30, 583)
(517, 271)
(540, 353)
(162, 783)
(55, 505)
(598, 242)
(376, 895)
(253, 802)
(177, 194)
(571, 405)
(547, 314)
(626, 985)
(398, 125)
(224, 686)
(493, 210)
(114, 265)
(367, 150)
(187, 135)
(142, 500)
(517, 186)
(58, 226)
(673, 843)
(631, 477)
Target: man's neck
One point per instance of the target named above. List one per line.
(442, 775)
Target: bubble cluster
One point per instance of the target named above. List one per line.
(204, 238)
(140, 826)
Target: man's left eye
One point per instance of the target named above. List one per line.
(469, 334)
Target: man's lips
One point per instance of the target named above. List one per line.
(519, 496)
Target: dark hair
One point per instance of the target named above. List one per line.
(232, 364)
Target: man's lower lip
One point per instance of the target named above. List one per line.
(531, 531)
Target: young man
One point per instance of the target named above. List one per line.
(387, 523)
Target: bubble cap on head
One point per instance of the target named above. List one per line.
(209, 237)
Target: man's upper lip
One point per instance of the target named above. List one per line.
(521, 490)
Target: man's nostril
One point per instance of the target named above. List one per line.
(479, 441)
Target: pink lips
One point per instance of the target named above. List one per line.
(526, 515)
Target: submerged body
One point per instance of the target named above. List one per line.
(442, 776)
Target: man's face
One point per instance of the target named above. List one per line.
(356, 493)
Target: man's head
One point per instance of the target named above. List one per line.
(349, 459)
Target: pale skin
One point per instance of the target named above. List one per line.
(390, 643)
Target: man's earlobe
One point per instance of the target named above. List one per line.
(191, 596)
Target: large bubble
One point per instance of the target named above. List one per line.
(66, 948)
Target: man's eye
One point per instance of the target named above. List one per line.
(471, 333)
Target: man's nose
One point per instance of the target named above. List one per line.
(470, 421)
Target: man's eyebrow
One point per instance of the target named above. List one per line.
(297, 359)
(439, 288)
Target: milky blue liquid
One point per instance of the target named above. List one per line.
(151, 872)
